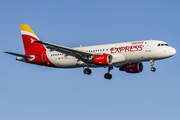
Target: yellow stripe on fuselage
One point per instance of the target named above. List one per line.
(25, 27)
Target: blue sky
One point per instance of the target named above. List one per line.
(31, 92)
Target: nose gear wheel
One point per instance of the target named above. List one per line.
(153, 69)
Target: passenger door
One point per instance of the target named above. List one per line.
(148, 46)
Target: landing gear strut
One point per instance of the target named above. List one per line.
(108, 75)
(153, 69)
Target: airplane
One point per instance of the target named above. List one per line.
(127, 56)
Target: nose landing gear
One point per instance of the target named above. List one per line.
(153, 69)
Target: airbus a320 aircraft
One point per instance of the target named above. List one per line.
(126, 56)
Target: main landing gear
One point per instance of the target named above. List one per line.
(153, 69)
(108, 75)
(87, 71)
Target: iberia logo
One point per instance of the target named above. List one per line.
(102, 58)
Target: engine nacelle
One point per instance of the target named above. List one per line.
(104, 59)
(132, 67)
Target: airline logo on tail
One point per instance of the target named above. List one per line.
(32, 40)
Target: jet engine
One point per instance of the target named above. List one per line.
(132, 67)
(104, 59)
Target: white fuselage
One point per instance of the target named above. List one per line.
(122, 53)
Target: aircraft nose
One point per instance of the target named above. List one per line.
(173, 51)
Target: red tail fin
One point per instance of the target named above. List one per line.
(28, 37)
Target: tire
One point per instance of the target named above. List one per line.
(107, 76)
(153, 69)
(87, 71)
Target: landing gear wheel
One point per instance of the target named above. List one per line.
(87, 71)
(153, 69)
(107, 76)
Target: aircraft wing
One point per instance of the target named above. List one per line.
(17, 54)
(82, 55)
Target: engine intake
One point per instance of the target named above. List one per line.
(104, 59)
(132, 67)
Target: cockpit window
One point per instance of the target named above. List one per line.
(162, 44)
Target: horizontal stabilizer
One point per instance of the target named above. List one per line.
(20, 55)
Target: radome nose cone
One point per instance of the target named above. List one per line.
(173, 51)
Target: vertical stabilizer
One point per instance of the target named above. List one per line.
(29, 37)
